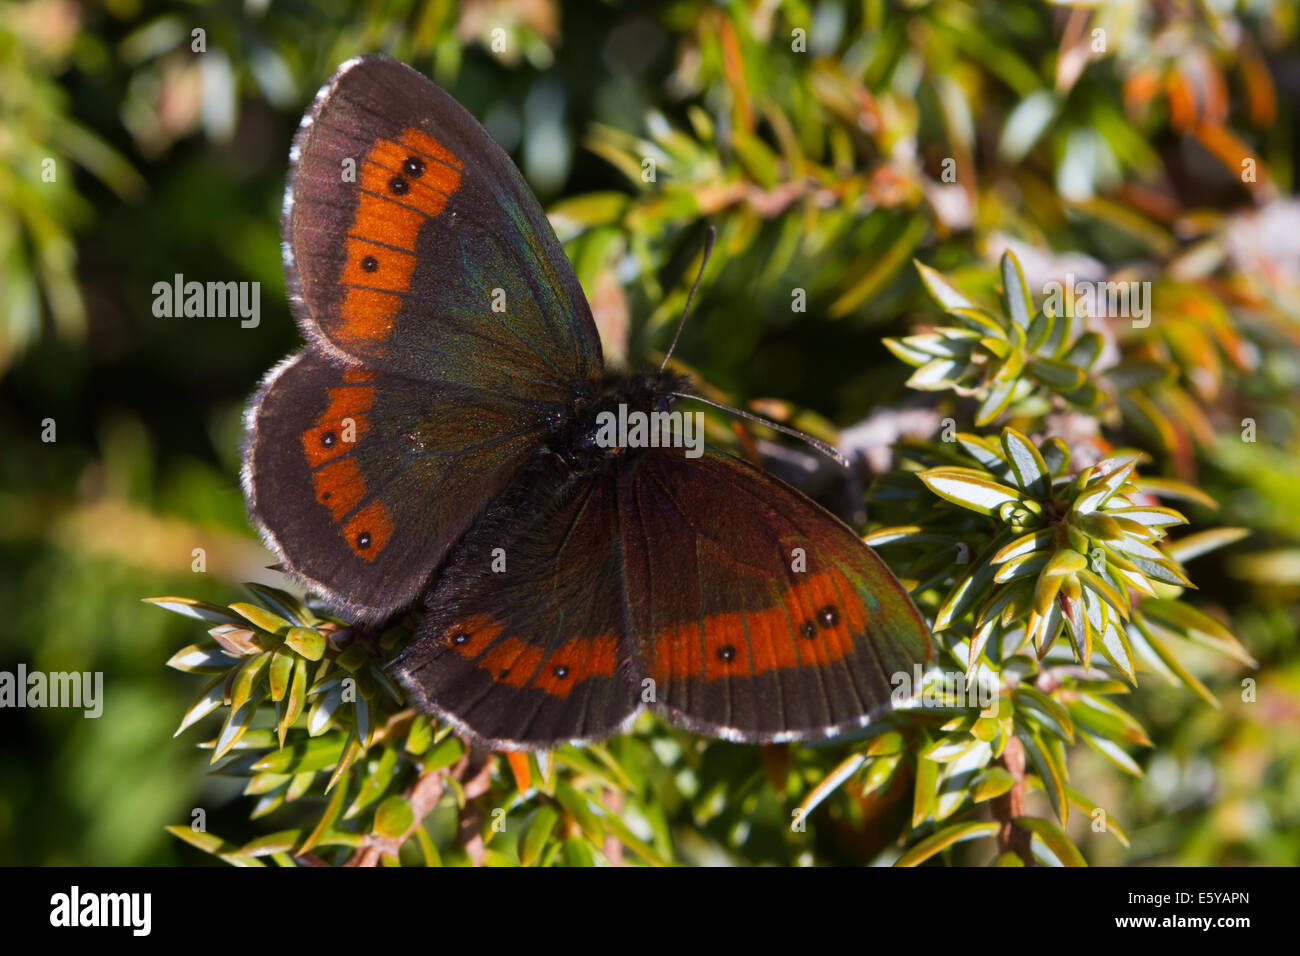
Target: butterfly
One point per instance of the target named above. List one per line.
(434, 447)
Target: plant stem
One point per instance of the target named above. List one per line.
(423, 796)
(1009, 806)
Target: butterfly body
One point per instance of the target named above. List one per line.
(575, 430)
(443, 442)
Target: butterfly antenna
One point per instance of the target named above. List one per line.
(708, 248)
(830, 451)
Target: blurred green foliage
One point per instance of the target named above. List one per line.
(832, 144)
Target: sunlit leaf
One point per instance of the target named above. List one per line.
(969, 488)
(942, 839)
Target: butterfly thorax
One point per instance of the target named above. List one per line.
(591, 430)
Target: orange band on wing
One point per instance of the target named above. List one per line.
(512, 661)
(470, 636)
(424, 143)
(368, 530)
(336, 474)
(517, 663)
(344, 419)
(414, 194)
(339, 486)
(380, 219)
(576, 660)
(741, 643)
(376, 266)
(403, 183)
(368, 314)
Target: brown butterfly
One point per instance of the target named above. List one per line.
(438, 444)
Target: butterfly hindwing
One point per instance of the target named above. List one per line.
(361, 480)
(414, 246)
(758, 615)
(726, 600)
(524, 643)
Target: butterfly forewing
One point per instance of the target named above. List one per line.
(414, 246)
